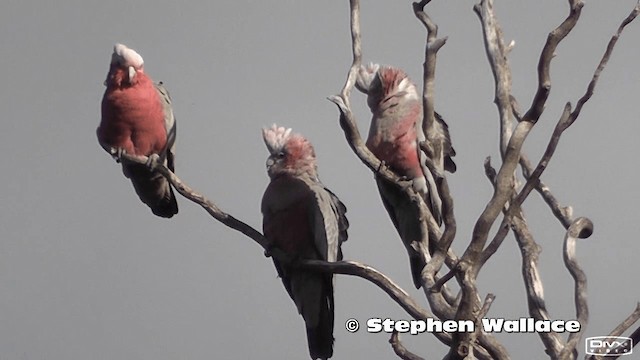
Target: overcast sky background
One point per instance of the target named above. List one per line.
(87, 272)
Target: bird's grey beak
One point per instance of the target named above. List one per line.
(270, 162)
(132, 73)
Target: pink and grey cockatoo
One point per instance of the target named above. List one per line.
(137, 119)
(307, 221)
(394, 137)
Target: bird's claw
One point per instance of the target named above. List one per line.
(116, 153)
(294, 260)
(152, 161)
(267, 250)
(405, 182)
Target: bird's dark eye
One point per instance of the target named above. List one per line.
(280, 155)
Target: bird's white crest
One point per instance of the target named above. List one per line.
(126, 56)
(409, 88)
(366, 75)
(276, 137)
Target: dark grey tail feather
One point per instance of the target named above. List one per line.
(167, 207)
(404, 215)
(320, 338)
(153, 189)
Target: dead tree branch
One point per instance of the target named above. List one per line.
(433, 147)
(627, 323)
(505, 179)
(620, 329)
(488, 346)
(603, 63)
(564, 214)
(400, 350)
(376, 277)
(497, 54)
(354, 268)
(429, 69)
(534, 287)
(200, 199)
(530, 252)
(580, 283)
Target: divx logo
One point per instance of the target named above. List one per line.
(608, 345)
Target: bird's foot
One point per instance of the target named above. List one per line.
(267, 250)
(406, 182)
(152, 161)
(281, 255)
(116, 153)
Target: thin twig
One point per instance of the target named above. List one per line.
(620, 329)
(544, 63)
(400, 350)
(603, 63)
(627, 323)
(488, 300)
(569, 117)
(564, 214)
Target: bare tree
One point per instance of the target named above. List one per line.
(510, 192)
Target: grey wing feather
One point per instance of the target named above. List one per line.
(169, 125)
(343, 224)
(440, 143)
(447, 148)
(330, 223)
(432, 198)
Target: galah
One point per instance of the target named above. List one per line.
(394, 137)
(137, 119)
(307, 221)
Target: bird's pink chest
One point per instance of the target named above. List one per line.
(133, 118)
(397, 148)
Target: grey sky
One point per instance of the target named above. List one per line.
(87, 272)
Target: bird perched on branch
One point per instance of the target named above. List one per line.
(307, 221)
(137, 119)
(395, 135)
